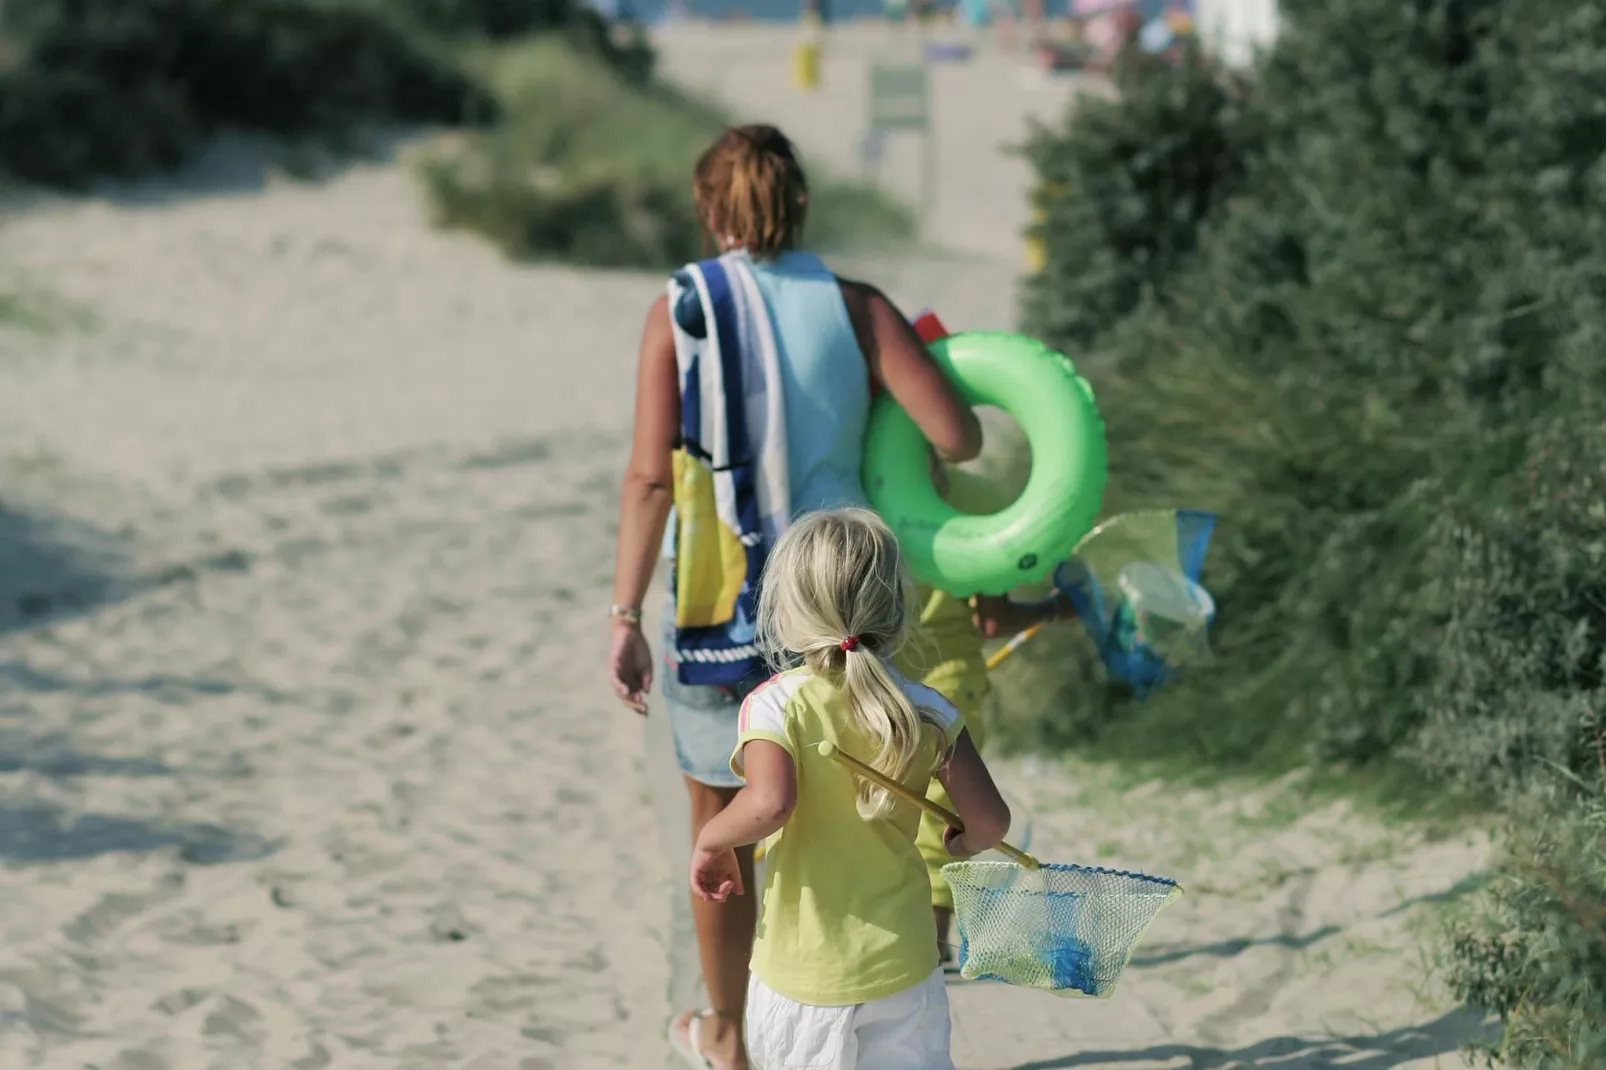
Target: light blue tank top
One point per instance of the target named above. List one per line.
(825, 383)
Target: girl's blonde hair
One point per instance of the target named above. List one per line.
(750, 190)
(836, 595)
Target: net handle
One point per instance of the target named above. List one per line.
(1002, 654)
(831, 750)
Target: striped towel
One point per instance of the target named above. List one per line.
(731, 491)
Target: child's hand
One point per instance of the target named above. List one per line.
(998, 615)
(715, 875)
(954, 840)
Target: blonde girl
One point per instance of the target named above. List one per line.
(845, 972)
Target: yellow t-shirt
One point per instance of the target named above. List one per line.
(847, 905)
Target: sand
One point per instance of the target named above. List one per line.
(307, 757)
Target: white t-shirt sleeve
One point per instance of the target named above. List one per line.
(935, 707)
(763, 716)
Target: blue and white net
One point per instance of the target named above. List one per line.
(1064, 929)
(1134, 581)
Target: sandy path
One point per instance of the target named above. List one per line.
(305, 756)
(980, 107)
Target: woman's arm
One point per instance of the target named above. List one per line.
(899, 361)
(976, 799)
(647, 491)
(644, 500)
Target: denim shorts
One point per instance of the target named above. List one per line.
(702, 718)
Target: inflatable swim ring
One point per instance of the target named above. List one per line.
(963, 554)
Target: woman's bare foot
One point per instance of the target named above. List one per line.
(717, 1039)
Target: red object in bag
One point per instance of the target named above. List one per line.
(929, 327)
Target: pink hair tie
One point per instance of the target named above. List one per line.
(850, 643)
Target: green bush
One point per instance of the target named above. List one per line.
(1374, 348)
(116, 87)
(1533, 949)
(627, 50)
(1370, 322)
(495, 19)
(605, 179)
(1122, 201)
(1520, 680)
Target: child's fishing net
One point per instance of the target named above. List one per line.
(1065, 929)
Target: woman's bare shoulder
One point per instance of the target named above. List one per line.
(860, 292)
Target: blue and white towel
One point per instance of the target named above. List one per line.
(732, 419)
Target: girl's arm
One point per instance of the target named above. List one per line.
(899, 361)
(975, 798)
(757, 810)
(999, 615)
(761, 807)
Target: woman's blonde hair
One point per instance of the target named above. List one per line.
(836, 596)
(750, 191)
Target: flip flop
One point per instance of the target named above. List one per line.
(688, 1049)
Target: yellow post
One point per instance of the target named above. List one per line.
(1036, 257)
(806, 53)
(1036, 254)
(806, 65)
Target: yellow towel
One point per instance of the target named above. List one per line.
(708, 571)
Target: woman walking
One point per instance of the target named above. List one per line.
(754, 382)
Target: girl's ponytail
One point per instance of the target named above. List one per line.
(887, 715)
(835, 594)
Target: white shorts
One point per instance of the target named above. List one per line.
(905, 1031)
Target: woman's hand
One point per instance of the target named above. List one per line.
(715, 875)
(630, 665)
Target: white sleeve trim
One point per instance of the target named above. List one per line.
(765, 709)
(933, 703)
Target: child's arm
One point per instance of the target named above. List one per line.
(997, 615)
(975, 798)
(760, 808)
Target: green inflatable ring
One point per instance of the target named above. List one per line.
(964, 554)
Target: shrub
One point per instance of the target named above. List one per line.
(606, 178)
(495, 19)
(1377, 353)
(1520, 680)
(1124, 189)
(582, 26)
(114, 87)
(1370, 321)
(1533, 950)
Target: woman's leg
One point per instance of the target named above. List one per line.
(724, 943)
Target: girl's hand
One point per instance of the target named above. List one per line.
(715, 876)
(954, 840)
(630, 666)
(997, 615)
